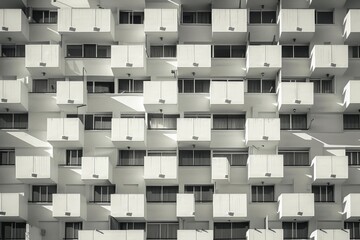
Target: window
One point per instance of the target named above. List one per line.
(73, 157)
(354, 51)
(229, 51)
(131, 17)
(7, 156)
(351, 121)
(132, 226)
(132, 115)
(131, 157)
(293, 121)
(162, 121)
(103, 193)
(295, 158)
(295, 230)
(43, 193)
(12, 50)
(234, 158)
(202, 193)
(194, 85)
(196, 17)
(293, 80)
(262, 16)
(163, 51)
(354, 228)
(229, 122)
(324, 17)
(72, 230)
(324, 193)
(162, 231)
(100, 87)
(44, 16)
(88, 51)
(353, 157)
(261, 86)
(131, 86)
(13, 120)
(262, 193)
(159, 153)
(94, 121)
(295, 51)
(196, 115)
(45, 85)
(230, 230)
(194, 157)
(323, 85)
(12, 230)
(161, 193)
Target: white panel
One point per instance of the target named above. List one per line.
(199, 234)
(160, 167)
(186, 55)
(306, 19)
(12, 19)
(119, 56)
(50, 55)
(74, 204)
(98, 166)
(289, 20)
(128, 205)
(128, 129)
(265, 234)
(299, 205)
(273, 55)
(220, 168)
(330, 167)
(28, 165)
(70, 90)
(111, 235)
(256, 56)
(169, 19)
(194, 129)
(203, 55)
(64, 19)
(185, 205)
(152, 20)
(59, 127)
(32, 55)
(229, 206)
(340, 55)
(136, 55)
(331, 234)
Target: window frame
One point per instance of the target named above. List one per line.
(163, 50)
(110, 189)
(273, 91)
(352, 128)
(133, 159)
(196, 12)
(314, 80)
(232, 153)
(294, 229)
(75, 230)
(14, 123)
(161, 194)
(349, 154)
(84, 118)
(83, 50)
(291, 123)
(353, 234)
(164, 116)
(261, 16)
(242, 117)
(131, 86)
(9, 159)
(49, 83)
(41, 188)
(131, 17)
(19, 50)
(351, 55)
(14, 230)
(44, 12)
(260, 193)
(324, 11)
(231, 46)
(293, 51)
(328, 198)
(79, 155)
(194, 81)
(293, 152)
(193, 158)
(232, 229)
(161, 225)
(201, 192)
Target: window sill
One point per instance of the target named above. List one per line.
(226, 58)
(195, 24)
(162, 129)
(231, 129)
(129, 165)
(163, 58)
(262, 24)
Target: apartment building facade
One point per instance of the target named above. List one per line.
(179, 119)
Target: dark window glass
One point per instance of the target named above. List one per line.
(230, 230)
(324, 193)
(12, 230)
(189, 17)
(72, 230)
(301, 51)
(104, 87)
(44, 16)
(127, 17)
(188, 86)
(354, 228)
(74, 51)
(351, 121)
(354, 51)
(254, 86)
(295, 158)
(89, 50)
(73, 157)
(238, 51)
(131, 157)
(131, 86)
(327, 86)
(353, 157)
(131, 226)
(295, 230)
(13, 121)
(13, 50)
(7, 157)
(202, 193)
(45, 85)
(287, 51)
(324, 17)
(204, 17)
(255, 17)
(202, 86)
(162, 121)
(161, 193)
(268, 86)
(194, 157)
(229, 122)
(103, 193)
(159, 231)
(222, 51)
(284, 121)
(43, 193)
(269, 17)
(299, 121)
(103, 51)
(262, 193)
(235, 159)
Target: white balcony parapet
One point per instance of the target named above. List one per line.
(229, 206)
(194, 130)
(128, 59)
(69, 93)
(13, 25)
(333, 169)
(161, 95)
(96, 169)
(329, 59)
(265, 168)
(298, 206)
(265, 234)
(161, 169)
(226, 94)
(128, 206)
(13, 207)
(220, 169)
(229, 24)
(65, 132)
(185, 205)
(295, 95)
(111, 235)
(351, 95)
(160, 20)
(69, 206)
(351, 26)
(264, 59)
(352, 208)
(194, 59)
(36, 169)
(330, 234)
(199, 234)
(128, 132)
(262, 131)
(13, 95)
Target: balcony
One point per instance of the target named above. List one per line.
(229, 25)
(71, 94)
(82, 24)
(351, 26)
(295, 95)
(329, 59)
(296, 24)
(262, 132)
(194, 131)
(128, 206)
(299, 206)
(185, 205)
(14, 95)
(96, 170)
(330, 234)
(160, 170)
(194, 60)
(13, 207)
(351, 206)
(229, 207)
(265, 234)
(330, 169)
(199, 234)
(265, 168)
(65, 132)
(36, 169)
(351, 95)
(161, 95)
(69, 207)
(161, 23)
(226, 95)
(14, 25)
(263, 59)
(111, 235)
(128, 132)
(128, 59)
(220, 169)
(48, 59)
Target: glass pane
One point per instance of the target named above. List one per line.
(153, 193)
(89, 50)
(288, 230)
(124, 85)
(325, 17)
(222, 230)
(8, 51)
(207, 193)
(204, 17)
(20, 121)
(302, 230)
(170, 51)
(89, 124)
(104, 87)
(254, 193)
(169, 193)
(255, 17)
(139, 157)
(327, 86)
(37, 16)
(188, 86)
(222, 51)
(138, 17)
(202, 86)
(186, 158)
(269, 17)
(103, 51)
(53, 17)
(153, 231)
(284, 121)
(239, 159)
(36, 193)
(156, 51)
(126, 157)
(301, 51)
(202, 157)
(220, 122)
(97, 193)
(239, 230)
(254, 86)
(351, 121)
(40, 86)
(238, 51)
(316, 85)
(124, 17)
(301, 158)
(138, 86)
(330, 193)
(189, 17)
(74, 51)
(287, 51)
(20, 50)
(268, 193)
(299, 121)
(268, 86)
